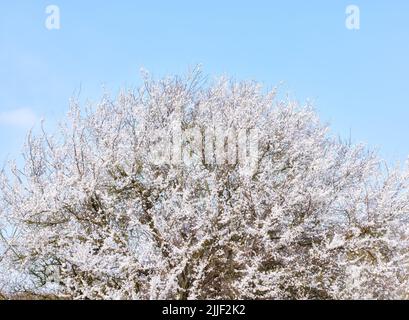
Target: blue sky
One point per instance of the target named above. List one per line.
(358, 80)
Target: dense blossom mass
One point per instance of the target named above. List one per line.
(93, 214)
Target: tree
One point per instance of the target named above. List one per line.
(185, 190)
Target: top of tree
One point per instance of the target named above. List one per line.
(186, 190)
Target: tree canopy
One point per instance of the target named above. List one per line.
(182, 189)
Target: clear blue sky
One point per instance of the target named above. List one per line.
(358, 80)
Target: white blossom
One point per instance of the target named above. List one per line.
(95, 217)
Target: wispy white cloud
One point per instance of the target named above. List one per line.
(23, 117)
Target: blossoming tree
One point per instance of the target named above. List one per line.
(95, 215)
